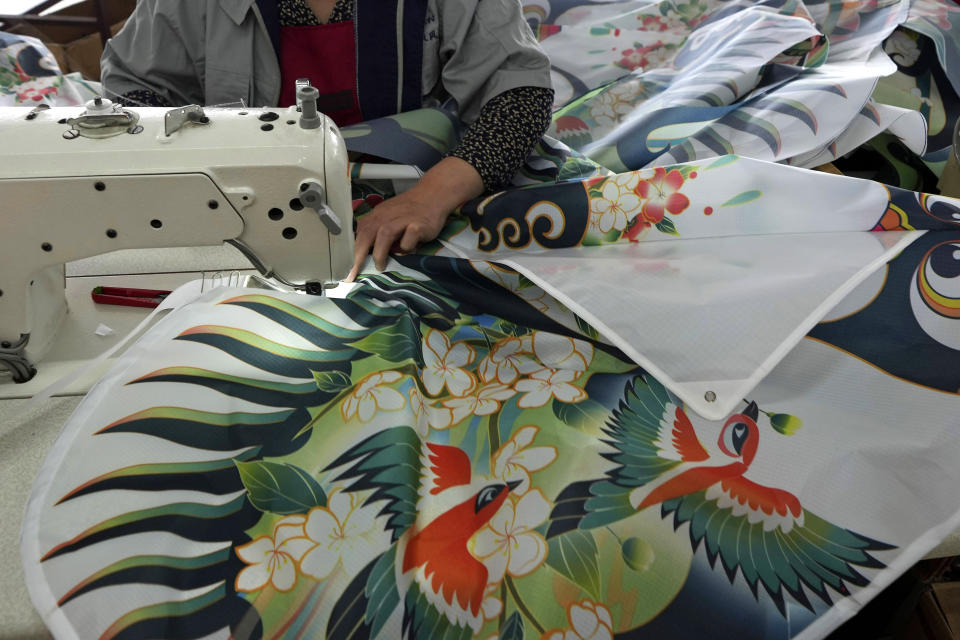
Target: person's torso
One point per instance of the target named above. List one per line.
(242, 46)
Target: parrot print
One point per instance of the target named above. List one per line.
(431, 525)
(566, 484)
(762, 532)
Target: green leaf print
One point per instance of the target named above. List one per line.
(280, 488)
(575, 556)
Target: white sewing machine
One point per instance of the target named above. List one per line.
(78, 182)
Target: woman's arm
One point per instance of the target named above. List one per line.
(154, 54)
(416, 215)
(485, 48)
(508, 128)
(500, 78)
(491, 151)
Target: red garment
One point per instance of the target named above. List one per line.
(326, 54)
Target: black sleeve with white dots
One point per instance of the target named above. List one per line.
(509, 126)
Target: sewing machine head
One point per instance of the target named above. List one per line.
(79, 182)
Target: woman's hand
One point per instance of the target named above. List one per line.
(414, 216)
(406, 218)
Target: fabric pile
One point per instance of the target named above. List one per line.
(29, 76)
(672, 383)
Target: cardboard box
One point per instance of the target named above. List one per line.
(79, 47)
(83, 54)
(937, 615)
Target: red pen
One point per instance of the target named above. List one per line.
(126, 297)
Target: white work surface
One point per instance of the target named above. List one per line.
(25, 439)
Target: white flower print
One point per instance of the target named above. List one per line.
(492, 605)
(588, 621)
(609, 107)
(617, 204)
(506, 362)
(371, 395)
(426, 415)
(342, 532)
(561, 352)
(273, 560)
(659, 57)
(509, 544)
(545, 384)
(516, 459)
(443, 365)
(483, 402)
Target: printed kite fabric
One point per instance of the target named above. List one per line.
(673, 383)
(29, 76)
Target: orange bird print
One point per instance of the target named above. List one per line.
(764, 533)
(435, 505)
(438, 552)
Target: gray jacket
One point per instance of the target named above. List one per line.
(218, 51)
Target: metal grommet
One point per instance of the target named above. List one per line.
(710, 396)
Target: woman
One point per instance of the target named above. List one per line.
(368, 59)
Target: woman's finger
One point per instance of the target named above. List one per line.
(412, 237)
(386, 236)
(362, 243)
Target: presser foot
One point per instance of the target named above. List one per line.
(13, 356)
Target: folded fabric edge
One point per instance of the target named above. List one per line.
(715, 400)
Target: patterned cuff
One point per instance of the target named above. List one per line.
(509, 126)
